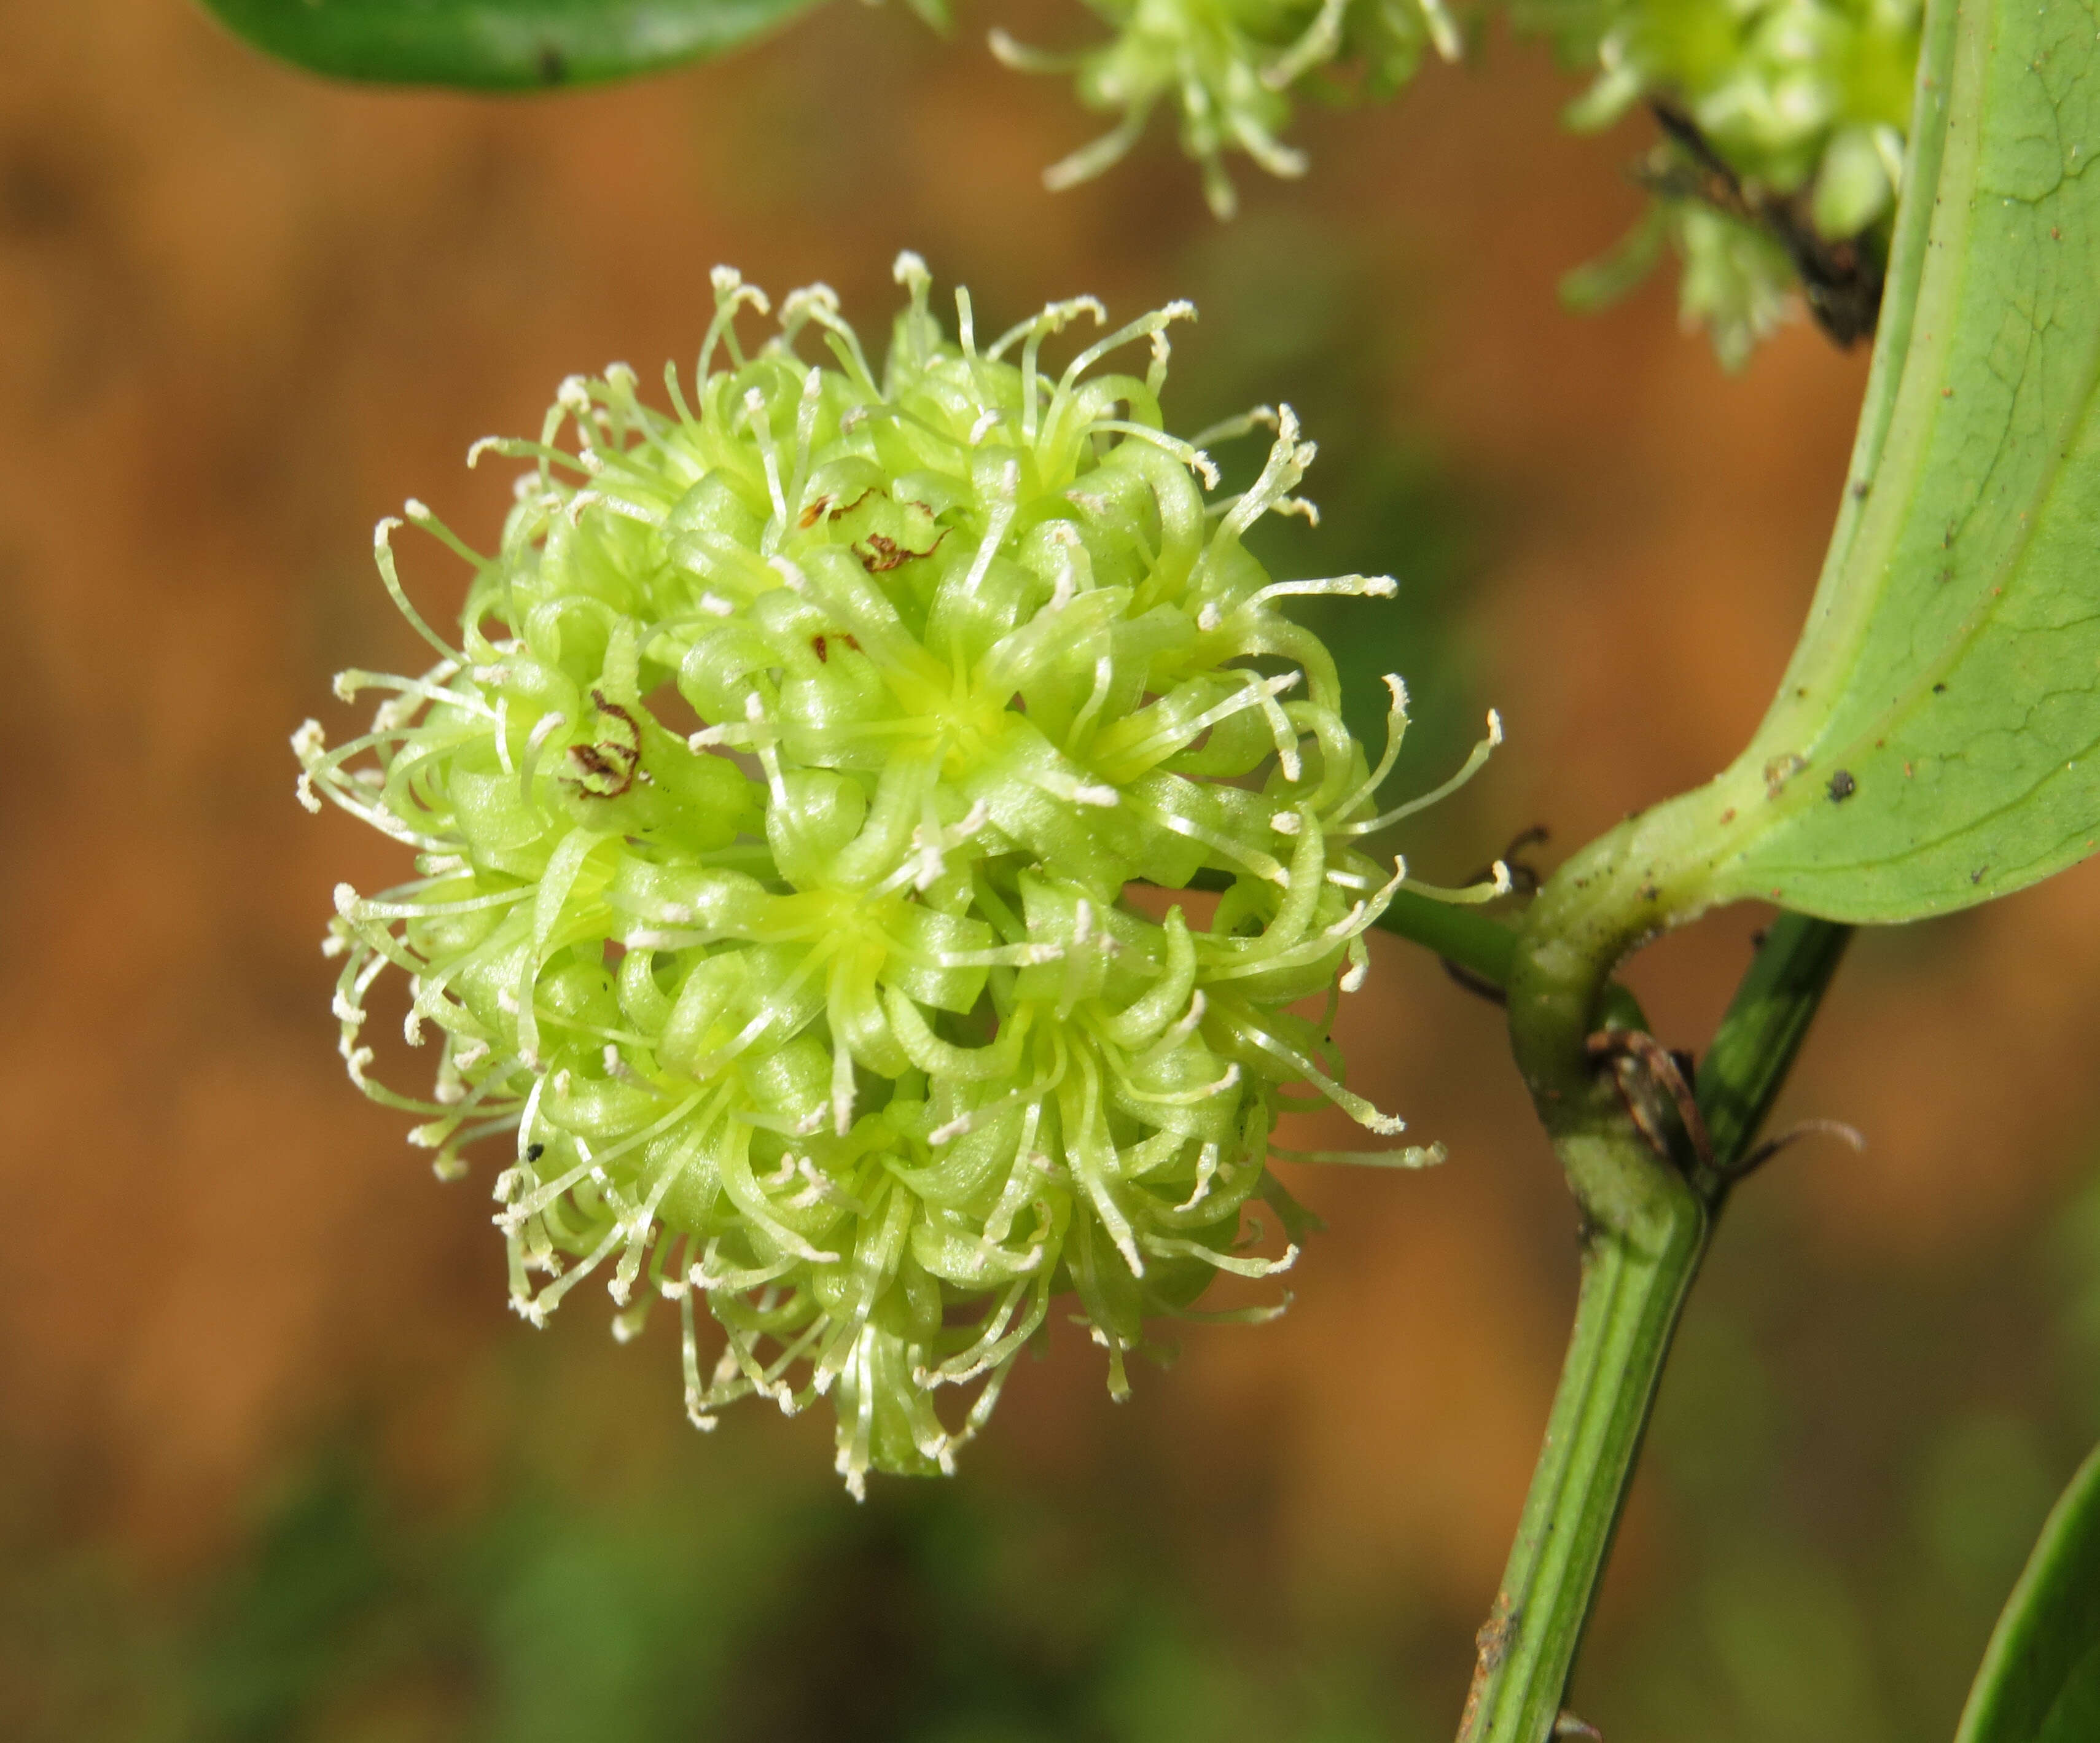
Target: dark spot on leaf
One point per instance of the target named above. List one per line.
(1939, 689)
(1977, 875)
(534, 1152)
(1843, 786)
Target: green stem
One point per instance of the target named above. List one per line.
(1646, 1228)
(1486, 948)
(1753, 1049)
(1634, 1285)
(1459, 933)
(1464, 935)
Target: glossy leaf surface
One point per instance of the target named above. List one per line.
(497, 45)
(2040, 1679)
(1937, 738)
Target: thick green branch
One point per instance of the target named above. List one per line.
(1634, 1285)
(1646, 1227)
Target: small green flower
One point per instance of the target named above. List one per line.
(1805, 101)
(829, 1007)
(1229, 66)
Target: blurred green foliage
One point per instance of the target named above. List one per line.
(729, 1600)
(1824, 1547)
(2041, 1678)
(1852, 1461)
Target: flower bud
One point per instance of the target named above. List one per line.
(776, 815)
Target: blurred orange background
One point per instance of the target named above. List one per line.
(242, 314)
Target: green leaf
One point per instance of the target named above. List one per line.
(2041, 1678)
(1936, 740)
(497, 45)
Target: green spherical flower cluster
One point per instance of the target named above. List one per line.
(1805, 102)
(775, 816)
(1229, 66)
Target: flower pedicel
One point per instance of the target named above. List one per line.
(833, 1013)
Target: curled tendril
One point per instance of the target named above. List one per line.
(774, 814)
